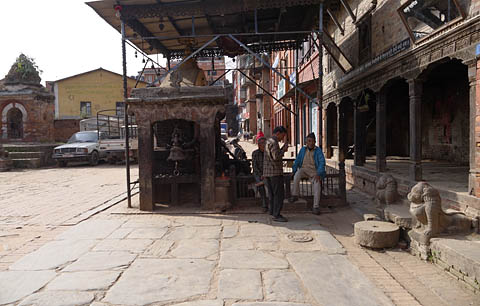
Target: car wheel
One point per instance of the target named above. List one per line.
(62, 163)
(94, 158)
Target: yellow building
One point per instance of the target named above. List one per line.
(83, 95)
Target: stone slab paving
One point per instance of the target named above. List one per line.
(283, 285)
(270, 304)
(149, 232)
(54, 255)
(195, 248)
(333, 280)
(159, 248)
(84, 281)
(240, 284)
(59, 298)
(94, 261)
(130, 245)
(159, 280)
(202, 303)
(15, 285)
(251, 259)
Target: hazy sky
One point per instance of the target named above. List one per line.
(65, 37)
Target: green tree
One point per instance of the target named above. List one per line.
(24, 70)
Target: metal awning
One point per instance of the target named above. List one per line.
(170, 27)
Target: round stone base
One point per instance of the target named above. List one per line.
(376, 234)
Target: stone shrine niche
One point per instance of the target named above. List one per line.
(14, 124)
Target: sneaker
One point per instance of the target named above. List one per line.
(280, 219)
(293, 199)
(316, 210)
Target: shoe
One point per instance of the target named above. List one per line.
(316, 211)
(293, 199)
(280, 219)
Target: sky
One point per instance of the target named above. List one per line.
(65, 37)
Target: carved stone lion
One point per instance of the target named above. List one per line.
(386, 191)
(429, 218)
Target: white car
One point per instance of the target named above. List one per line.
(82, 146)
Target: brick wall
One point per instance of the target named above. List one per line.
(38, 126)
(64, 128)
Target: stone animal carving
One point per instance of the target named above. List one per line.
(429, 218)
(386, 191)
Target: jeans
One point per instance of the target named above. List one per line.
(276, 192)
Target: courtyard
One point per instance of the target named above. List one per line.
(68, 238)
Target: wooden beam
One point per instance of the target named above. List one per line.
(349, 10)
(172, 21)
(138, 27)
(342, 31)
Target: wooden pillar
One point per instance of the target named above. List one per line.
(415, 92)
(207, 162)
(324, 132)
(381, 135)
(359, 137)
(474, 174)
(341, 133)
(145, 165)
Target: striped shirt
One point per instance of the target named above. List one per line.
(273, 158)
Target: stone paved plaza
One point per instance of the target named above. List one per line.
(119, 256)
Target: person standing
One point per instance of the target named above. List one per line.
(310, 163)
(273, 172)
(257, 161)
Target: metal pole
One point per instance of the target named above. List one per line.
(296, 106)
(227, 71)
(125, 96)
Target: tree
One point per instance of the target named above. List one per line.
(24, 70)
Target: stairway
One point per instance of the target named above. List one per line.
(30, 156)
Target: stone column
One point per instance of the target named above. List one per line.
(207, 164)
(474, 157)
(415, 92)
(359, 137)
(381, 135)
(145, 166)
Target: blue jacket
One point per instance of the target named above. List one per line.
(317, 156)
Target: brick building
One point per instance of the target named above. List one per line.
(27, 108)
(408, 103)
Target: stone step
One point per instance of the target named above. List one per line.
(399, 214)
(460, 257)
(28, 163)
(5, 164)
(23, 155)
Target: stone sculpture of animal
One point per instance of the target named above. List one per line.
(386, 191)
(430, 219)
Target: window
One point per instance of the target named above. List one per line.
(421, 18)
(120, 109)
(85, 109)
(364, 40)
(212, 72)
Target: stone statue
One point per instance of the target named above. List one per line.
(429, 218)
(386, 191)
(176, 151)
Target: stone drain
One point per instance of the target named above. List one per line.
(300, 237)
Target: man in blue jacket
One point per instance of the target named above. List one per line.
(310, 163)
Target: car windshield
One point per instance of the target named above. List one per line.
(84, 137)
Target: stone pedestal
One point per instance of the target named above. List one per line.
(222, 194)
(376, 234)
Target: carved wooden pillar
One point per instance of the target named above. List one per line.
(474, 174)
(381, 135)
(207, 162)
(415, 92)
(359, 137)
(341, 133)
(324, 132)
(145, 156)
